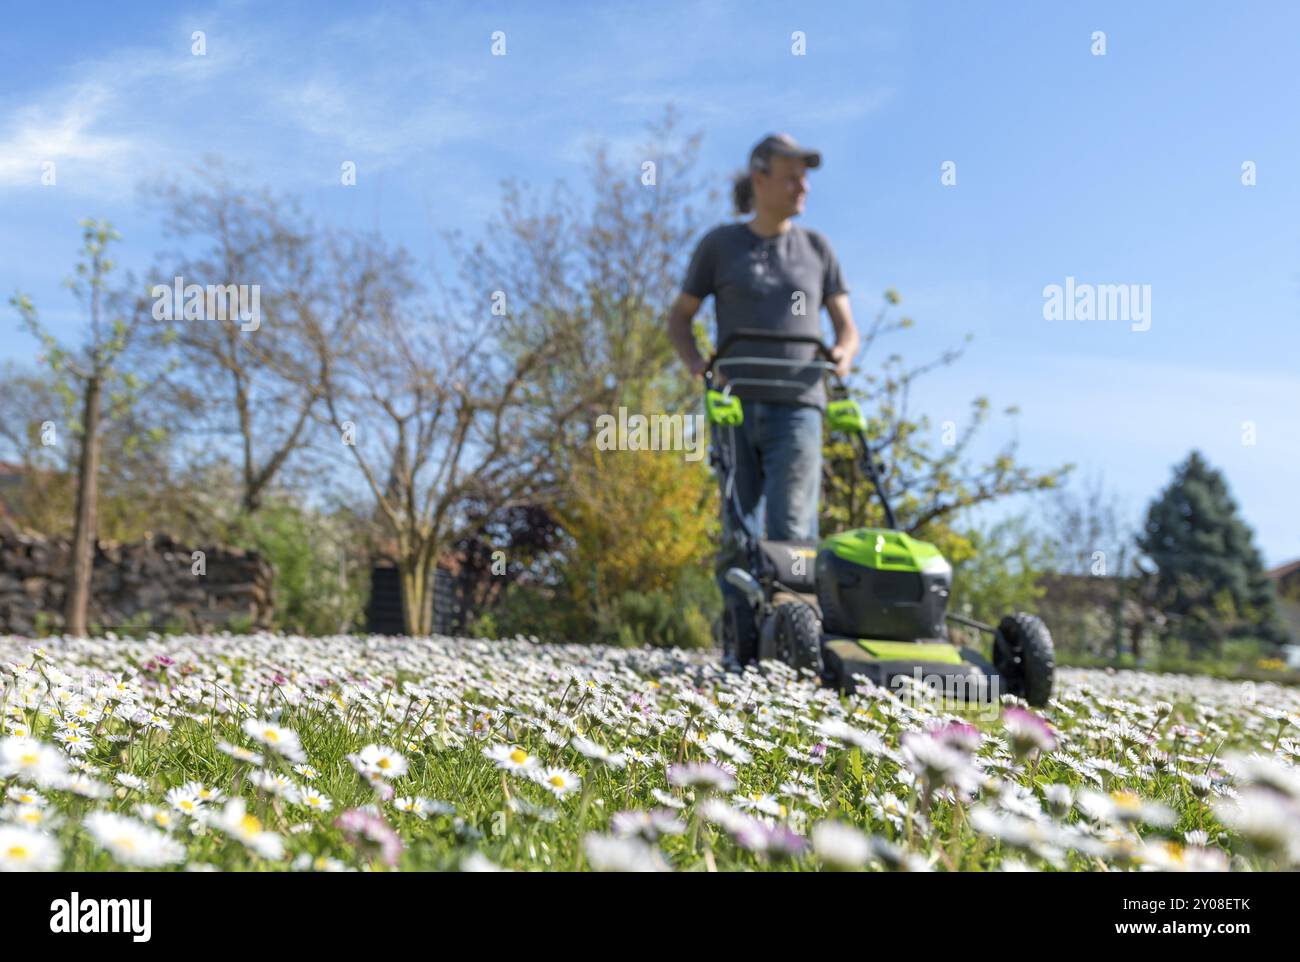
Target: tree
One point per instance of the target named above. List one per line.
(593, 277)
(1209, 576)
(1095, 585)
(1087, 532)
(1003, 573)
(430, 408)
(264, 372)
(139, 490)
(91, 374)
(927, 489)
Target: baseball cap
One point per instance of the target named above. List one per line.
(784, 145)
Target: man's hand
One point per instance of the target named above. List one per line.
(847, 341)
(843, 361)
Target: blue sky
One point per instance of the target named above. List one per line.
(1122, 168)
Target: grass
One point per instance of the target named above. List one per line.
(671, 763)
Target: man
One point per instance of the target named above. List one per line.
(772, 274)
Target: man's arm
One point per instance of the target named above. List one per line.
(681, 334)
(847, 340)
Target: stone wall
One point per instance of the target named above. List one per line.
(148, 584)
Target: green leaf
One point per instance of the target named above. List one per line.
(855, 763)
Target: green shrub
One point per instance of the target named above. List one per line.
(321, 581)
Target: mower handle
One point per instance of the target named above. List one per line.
(758, 334)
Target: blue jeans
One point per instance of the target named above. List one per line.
(777, 454)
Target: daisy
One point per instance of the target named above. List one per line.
(598, 752)
(74, 741)
(204, 794)
(511, 758)
(276, 784)
(25, 796)
(282, 741)
(608, 853)
(132, 842)
(370, 833)
(321, 863)
(840, 846)
(30, 816)
(704, 774)
(158, 816)
(31, 761)
(133, 782)
(838, 731)
(888, 808)
(664, 798)
(558, 781)
(1028, 732)
(719, 743)
(412, 806)
(648, 825)
(306, 771)
(235, 820)
(240, 754)
(26, 850)
(314, 799)
(379, 760)
(84, 786)
(183, 801)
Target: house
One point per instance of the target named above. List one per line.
(1286, 579)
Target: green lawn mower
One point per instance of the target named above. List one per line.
(869, 602)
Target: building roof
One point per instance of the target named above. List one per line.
(1284, 571)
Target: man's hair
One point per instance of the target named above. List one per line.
(742, 186)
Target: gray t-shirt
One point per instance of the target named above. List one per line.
(754, 281)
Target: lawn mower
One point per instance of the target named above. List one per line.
(868, 602)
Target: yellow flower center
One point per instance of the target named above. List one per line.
(187, 805)
(33, 817)
(17, 851)
(557, 781)
(519, 756)
(384, 763)
(271, 735)
(29, 758)
(125, 842)
(250, 824)
(1126, 800)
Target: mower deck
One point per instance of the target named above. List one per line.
(937, 664)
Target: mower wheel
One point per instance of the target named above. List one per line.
(1025, 657)
(798, 636)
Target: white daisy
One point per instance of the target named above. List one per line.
(379, 760)
(511, 758)
(31, 760)
(559, 781)
(27, 850)
(131, 842)
(236, 821)
(282, 741)
(840, 846)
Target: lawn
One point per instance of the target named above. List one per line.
(272, 752)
